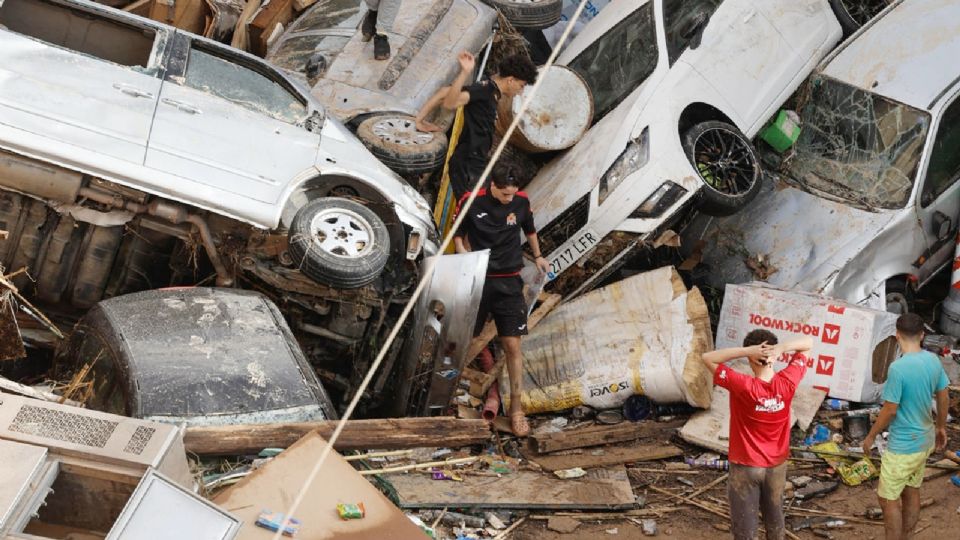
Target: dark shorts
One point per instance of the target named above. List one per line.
(503, 298)
(464, 175)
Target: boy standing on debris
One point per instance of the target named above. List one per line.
(494, 222)
(759, 428)
(912, 382)
(479, 102)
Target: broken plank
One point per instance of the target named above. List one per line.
(611, 455)
(589, 436)
(479, 387)
(7, 385)
(387, 434)
(600, 489)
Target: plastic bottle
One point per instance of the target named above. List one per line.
(708, 461)
(836, 404)
(820, 433)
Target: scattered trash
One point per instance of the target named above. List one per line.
(820, 434)
(852, 471)
(562, 524)
(800, 481)
(856, 427)
(815, 489)
(454, 519)
(834, 404)
(567, 474)
(649, 527)
(494, 521)
(440, 474)
(708, 461)
(783, 131)
(612, 531)
(955, 479)
(429, 531)
(686, 481)
(610, 417)
(874, 512)
(274, 521)
(351, 511)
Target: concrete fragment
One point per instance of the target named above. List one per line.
(562, 524)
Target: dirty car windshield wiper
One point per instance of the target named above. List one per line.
(849, 194)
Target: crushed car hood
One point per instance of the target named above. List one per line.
(803, 239)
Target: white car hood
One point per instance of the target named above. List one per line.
(806, 238)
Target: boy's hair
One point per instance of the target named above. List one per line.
(519, 67)
(910, 325)
(504, 175)
(758, 336)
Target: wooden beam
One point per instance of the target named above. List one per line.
(589, 436)
(387, 433)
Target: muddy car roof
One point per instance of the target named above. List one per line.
(909, 54)
(228, 351)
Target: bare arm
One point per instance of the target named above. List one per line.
(459, 246)
(455, 96)
(713, 359)
(539, 260)
(943, 404)
(435, 100)
(803, 344)
(887, 412)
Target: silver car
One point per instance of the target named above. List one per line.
(135, 156)
(868, 208)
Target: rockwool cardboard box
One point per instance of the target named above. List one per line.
(852, 345)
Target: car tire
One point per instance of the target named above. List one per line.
(852, 14)
(395, 141)
(530, 14)
(899, 296)
(733, 182)
(359, 243)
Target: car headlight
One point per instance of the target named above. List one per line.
(631, 160)
(658, 201)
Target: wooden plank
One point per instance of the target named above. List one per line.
(7, 385)
(603, 488)
(140, 7)
(602, 457)
(300, 5)
(387, 434)
(276, 11)
(589, 436)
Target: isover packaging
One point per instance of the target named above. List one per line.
(852, 345)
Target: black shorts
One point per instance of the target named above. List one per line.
(463, 175)
(503, 298)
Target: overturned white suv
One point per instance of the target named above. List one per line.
(135, 156)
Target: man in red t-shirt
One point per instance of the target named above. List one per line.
(759, 427)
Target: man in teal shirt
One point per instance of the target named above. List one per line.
(912, 382)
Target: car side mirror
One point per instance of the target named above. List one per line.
(694, 33)
(942, 226)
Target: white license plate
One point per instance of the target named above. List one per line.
(573, 249)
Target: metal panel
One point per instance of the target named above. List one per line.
(15, 480)
(147, 514)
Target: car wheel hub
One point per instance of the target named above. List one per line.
(340, 232)
(400, 131)
(724, 162)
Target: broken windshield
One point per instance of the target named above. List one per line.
(858, 146)
(619, 61)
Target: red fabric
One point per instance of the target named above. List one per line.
(760, 413)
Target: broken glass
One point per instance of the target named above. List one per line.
(294, 53)
(618, 62)
(243, 86)
(858, 146)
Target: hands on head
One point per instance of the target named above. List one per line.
(764, 354)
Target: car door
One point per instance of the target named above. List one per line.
(740, 54)
(230, 123)
(938, 204)
(79, 78)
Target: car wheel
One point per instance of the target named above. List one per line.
(395, 141)
(339, 242)
(727, 164)
(532, 14)
(852, 14)
(899, 296)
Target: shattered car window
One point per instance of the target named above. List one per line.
(619, 62)
(243, 86)
(858, 146)
(681, 19)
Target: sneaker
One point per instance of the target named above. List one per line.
(369, 25)
(381, 47)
